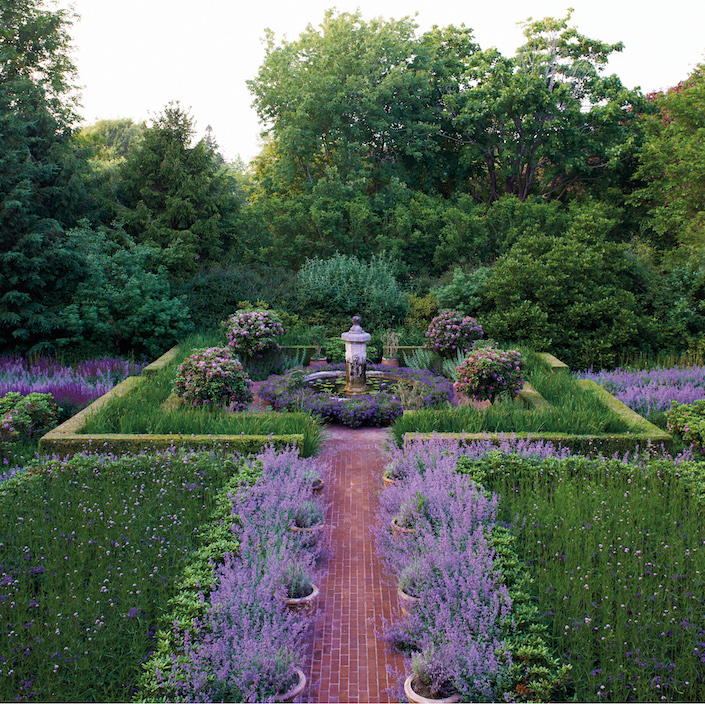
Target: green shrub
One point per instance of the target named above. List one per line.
(124, 303)
(344, 286)
(568, 294)
(687, 422)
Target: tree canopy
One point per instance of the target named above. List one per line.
(40, 181)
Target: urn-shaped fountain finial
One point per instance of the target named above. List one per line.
(356, 340)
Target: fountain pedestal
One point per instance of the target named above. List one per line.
(356, 340)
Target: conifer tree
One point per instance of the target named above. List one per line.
(40, 184)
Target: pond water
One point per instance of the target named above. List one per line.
(333, 383)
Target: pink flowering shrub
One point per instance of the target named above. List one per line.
(451, 332)
(251, 333)
(687, 422)
(213, 376)
(488, 373)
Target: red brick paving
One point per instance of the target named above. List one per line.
(348, 661)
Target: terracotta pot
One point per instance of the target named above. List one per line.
(390, 361)
(318, 362)
(317, 486)
(312, 530)
(406, 601)
(414, 696)
(305, 605)
(400, 531)
(295, 691)
(387, 481)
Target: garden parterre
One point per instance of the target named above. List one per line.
(615, 549)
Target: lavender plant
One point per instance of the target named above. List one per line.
(240, 643)
(650, 392)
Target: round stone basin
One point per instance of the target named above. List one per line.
(333, 382)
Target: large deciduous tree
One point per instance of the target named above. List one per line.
(40, 183)
(543, 121)
(377, 133)
(672, 163)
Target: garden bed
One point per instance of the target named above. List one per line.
(582, 416)
(611, 550)
(113, 423)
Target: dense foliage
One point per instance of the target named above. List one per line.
(403, 172)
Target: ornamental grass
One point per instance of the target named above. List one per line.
(90, 552)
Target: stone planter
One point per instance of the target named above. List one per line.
(295, 691)
(414, 696)
(406, 601)
(305, 605)
(400, 531)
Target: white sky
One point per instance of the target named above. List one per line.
(135, 56)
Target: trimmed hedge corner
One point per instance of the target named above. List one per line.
(642, 433)
(67, 440)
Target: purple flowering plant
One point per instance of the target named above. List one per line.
(228, 635)
(213, 377)
(73, 387)
(290, 392)
(252, 333)
(473, 618)
(488, 373)
(650, 392)
(451, 332)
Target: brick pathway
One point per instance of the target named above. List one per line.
(348, 662)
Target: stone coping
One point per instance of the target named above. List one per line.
(66, 439)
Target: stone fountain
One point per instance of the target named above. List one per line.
(356, 340)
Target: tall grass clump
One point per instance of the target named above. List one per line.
(90, 552)
(617, 554)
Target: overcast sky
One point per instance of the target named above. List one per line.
(135, 56)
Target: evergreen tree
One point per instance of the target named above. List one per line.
(40, 183)
(175, 196)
